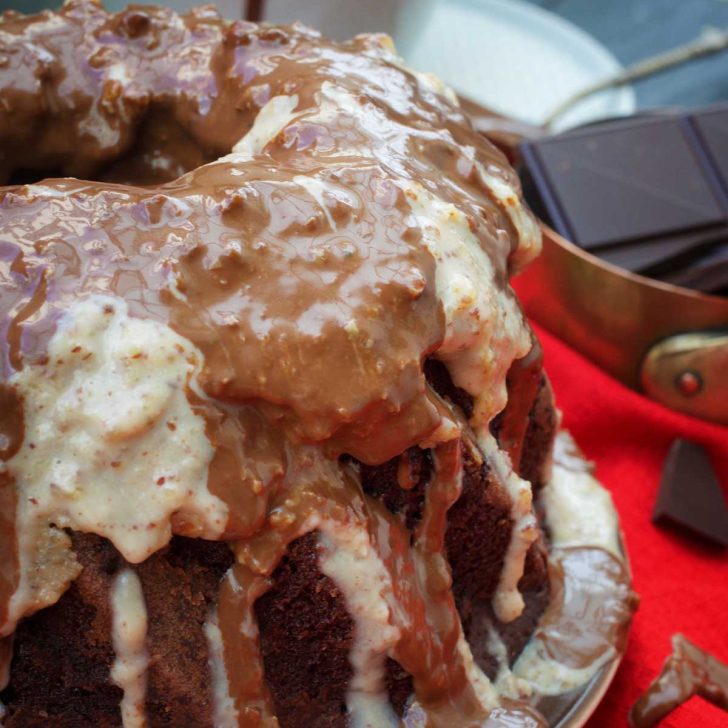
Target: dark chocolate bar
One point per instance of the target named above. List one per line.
(707, 273)
(690, 496)
(656, 257)
(649, 194)
(711, 126)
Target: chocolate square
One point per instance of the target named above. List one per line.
(707, 273)
(712, 128)
(690, 495)
(657, 256)
(624, 181)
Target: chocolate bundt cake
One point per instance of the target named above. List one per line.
(276, 444)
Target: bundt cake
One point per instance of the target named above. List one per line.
(277, 447)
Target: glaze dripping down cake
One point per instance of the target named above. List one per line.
(277, 446)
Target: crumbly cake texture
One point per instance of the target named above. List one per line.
(272, 422)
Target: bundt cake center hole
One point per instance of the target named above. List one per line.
(158, 150)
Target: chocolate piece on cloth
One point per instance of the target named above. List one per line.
(648, 194)
(690, 495)
(688, 671)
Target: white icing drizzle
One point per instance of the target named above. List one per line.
(112, 446)
(270, 121)
(485, 332)
(111, 386)
(549, 677)
(129, 635)
(225, 714)
(484, 328)
(508, 603)
(506, 683)
(484, 688)
(118, 72)
(526, 227)
(350, 560)
(578, 512)
(335, 99)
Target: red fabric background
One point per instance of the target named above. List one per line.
(683, 584)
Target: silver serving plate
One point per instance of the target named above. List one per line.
(573, 709)
(568, 710)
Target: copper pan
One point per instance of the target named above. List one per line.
(668, 342)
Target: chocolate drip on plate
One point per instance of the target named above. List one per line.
(688, 671)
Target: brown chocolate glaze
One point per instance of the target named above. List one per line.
(316, 313)
(583, 623)
(247, 246)
(12, 428)
(688, 671)
(524, 382)
(236, 255)
(420, 578)
(543, 424)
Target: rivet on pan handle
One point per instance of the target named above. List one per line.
(689, 372)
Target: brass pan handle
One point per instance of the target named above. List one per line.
(689, 372)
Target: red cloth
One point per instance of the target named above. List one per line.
(683, 584)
